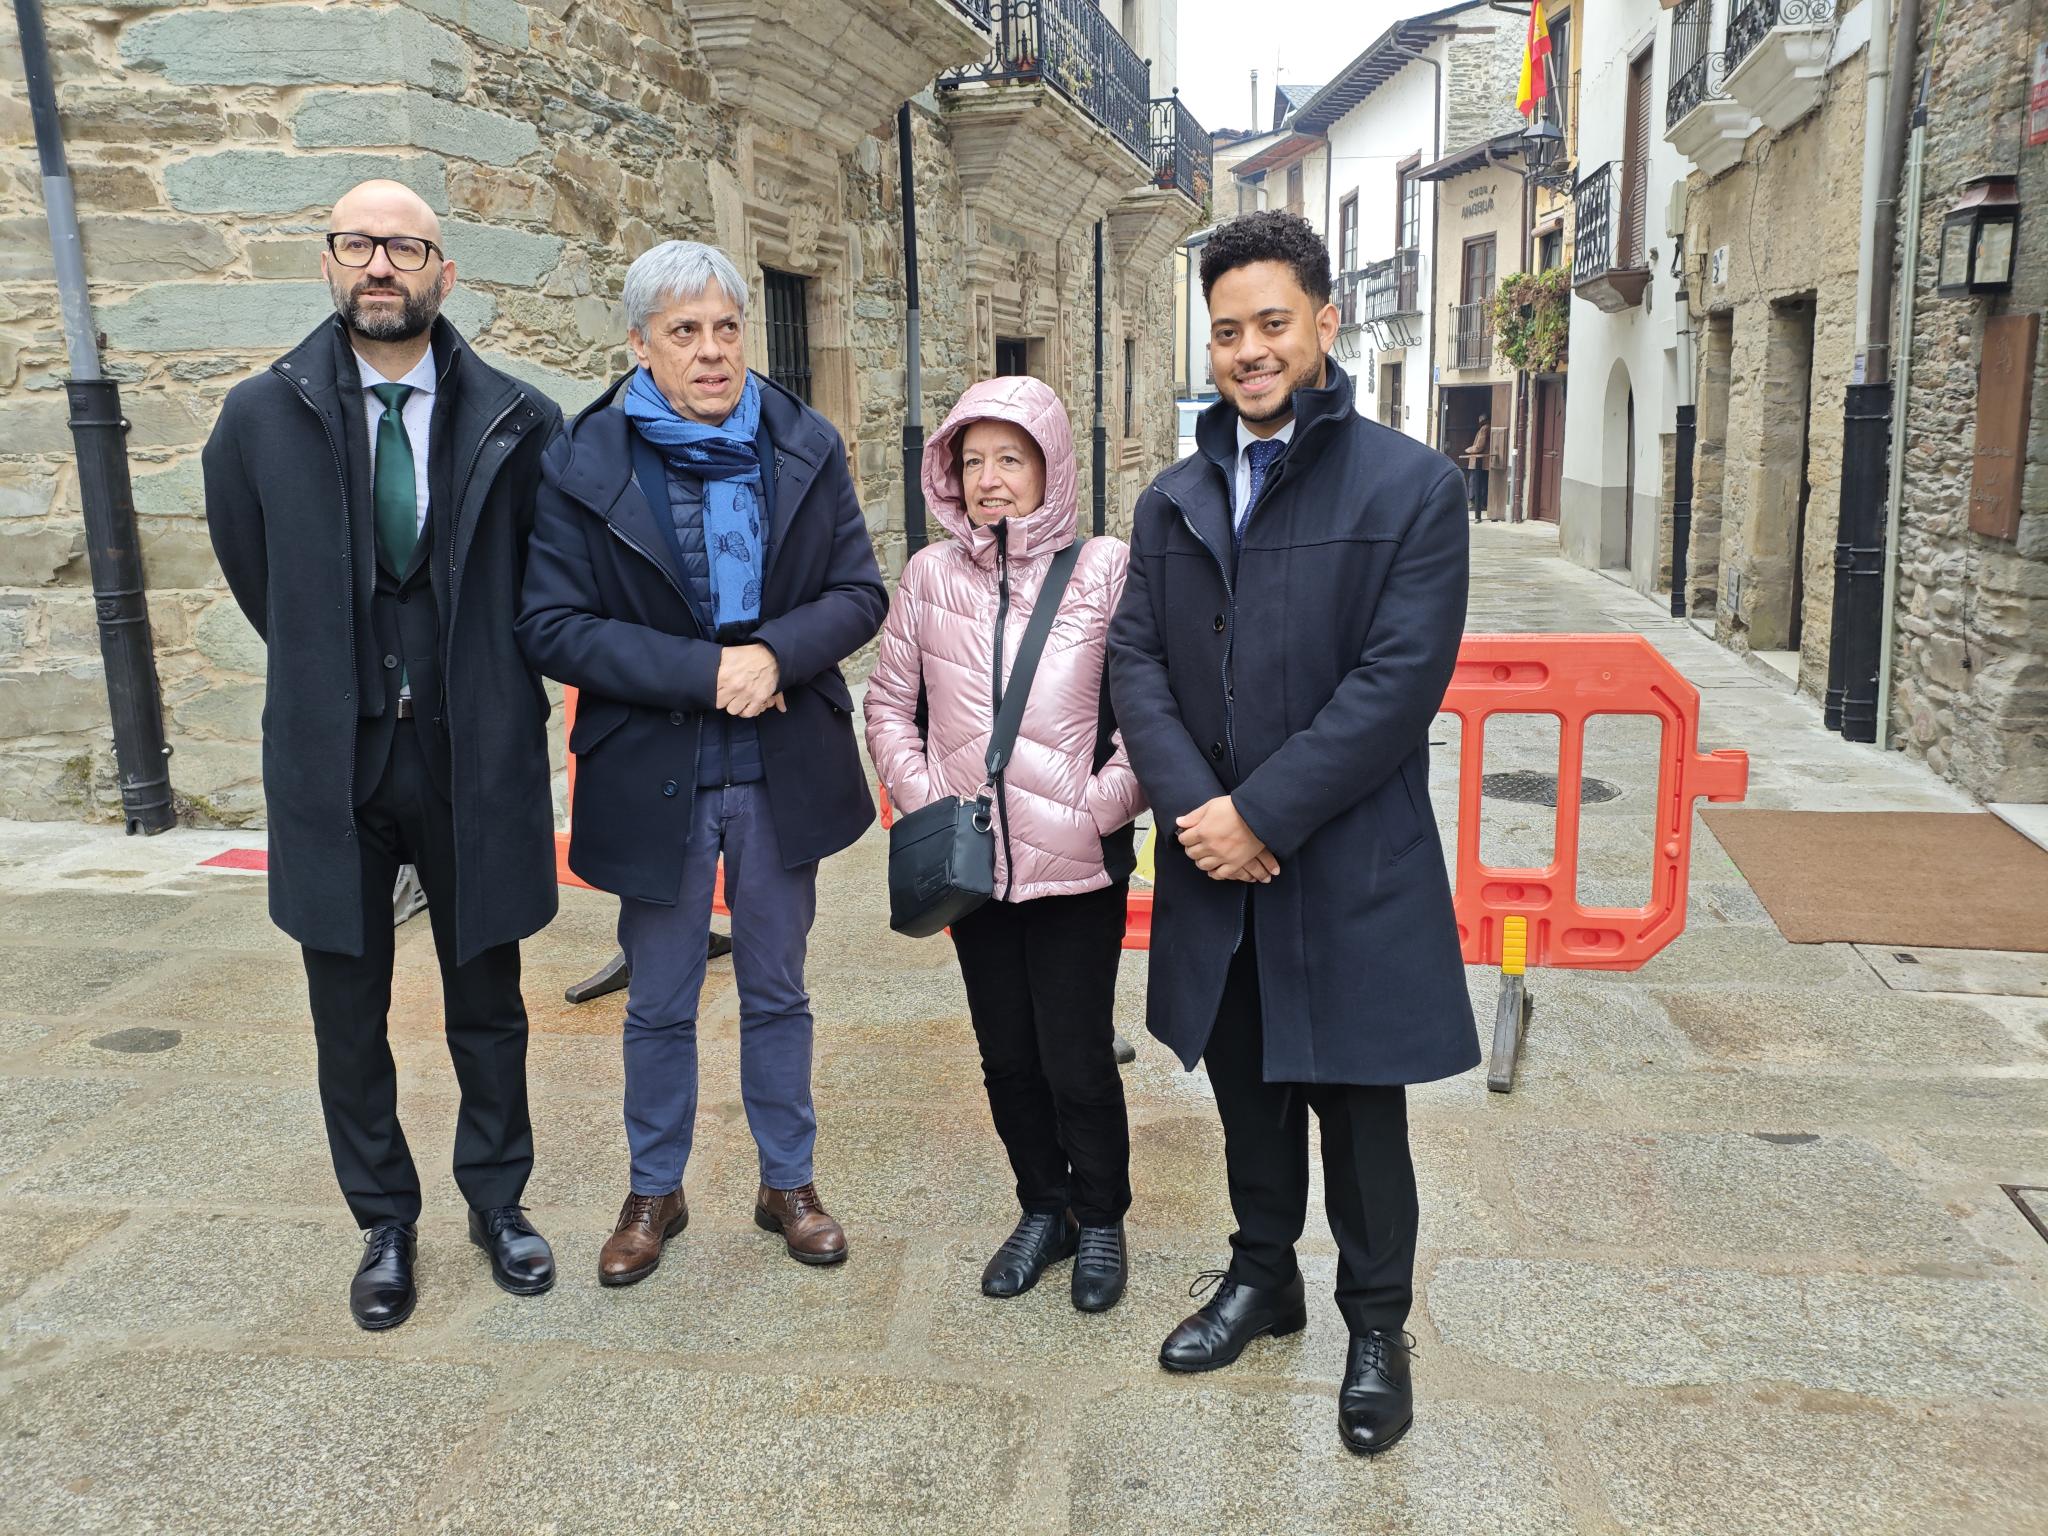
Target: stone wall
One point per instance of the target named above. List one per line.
(1970, 681)
(1787, 220)
(558, 140)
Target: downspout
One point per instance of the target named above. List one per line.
(1431, 389)
(913, 349)
(99, 438)
(1866, 411)
(1101, 434)
(1915, 166)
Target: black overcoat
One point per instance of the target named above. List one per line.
(604, 611)
(1301, 679)
(288, 505)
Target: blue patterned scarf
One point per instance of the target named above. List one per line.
(723, 458)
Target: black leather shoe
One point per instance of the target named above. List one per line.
(521, 1260)
(1215, 1336)
(1376, 1404)
(1041, 1238)
(382, 1293)
(1101, 1266)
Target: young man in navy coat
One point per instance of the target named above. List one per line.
(1292, 618)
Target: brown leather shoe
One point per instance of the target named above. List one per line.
(646, 1223)
(806, 1226)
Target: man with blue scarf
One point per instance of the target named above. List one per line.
(699, 568)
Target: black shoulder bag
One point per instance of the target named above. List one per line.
(942, 859)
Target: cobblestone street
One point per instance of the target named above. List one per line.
(1732, 1257)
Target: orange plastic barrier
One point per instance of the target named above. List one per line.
(1572, 678)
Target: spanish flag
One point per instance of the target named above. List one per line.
(1535, 78)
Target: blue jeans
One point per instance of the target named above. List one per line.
(772, 910)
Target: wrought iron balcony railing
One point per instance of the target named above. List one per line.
(1695, 71)
(1593, 221)
(1072, 47)
(1471, 335)
(976, 11)
(1392, 286)
(1753, 20)
(1181, 157)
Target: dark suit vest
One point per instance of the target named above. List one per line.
(403, 639)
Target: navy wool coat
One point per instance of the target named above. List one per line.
(288, 504)
(605, 611)
(1300, 678)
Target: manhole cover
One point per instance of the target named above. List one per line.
(1528, 788)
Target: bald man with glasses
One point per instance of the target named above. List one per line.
(370, 497)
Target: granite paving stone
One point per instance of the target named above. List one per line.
(1774, 1468)
(43, 1111)
(41, 1241)
(1730, 1193)
(1892, 1029)
(106, 1444)
(49, 981)
(1183, 1455)
(615, 1448)
(1890, 1336)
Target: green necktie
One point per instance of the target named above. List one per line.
(395, 490)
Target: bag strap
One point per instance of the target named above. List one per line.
(1011, 716)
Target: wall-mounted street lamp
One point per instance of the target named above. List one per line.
(1979, 239)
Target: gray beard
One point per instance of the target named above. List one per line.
(417, 314)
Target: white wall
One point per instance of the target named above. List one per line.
(1366, 144)
(1640, 344)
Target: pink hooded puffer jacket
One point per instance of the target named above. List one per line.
(941, 632)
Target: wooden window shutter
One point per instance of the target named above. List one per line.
(1635, 164)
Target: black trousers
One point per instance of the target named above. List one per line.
(1041, 986)
(1368, 1176)
(408, 820)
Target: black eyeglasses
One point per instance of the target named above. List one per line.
(407, 253)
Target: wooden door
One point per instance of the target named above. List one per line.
(1548, 485)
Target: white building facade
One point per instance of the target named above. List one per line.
(1631, 365)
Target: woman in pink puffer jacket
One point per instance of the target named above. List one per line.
(1040, 960)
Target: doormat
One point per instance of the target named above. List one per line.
(1921, 878)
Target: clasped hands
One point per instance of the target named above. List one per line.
(748, 679)
(1222, 846)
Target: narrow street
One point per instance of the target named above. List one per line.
(1732, 1257)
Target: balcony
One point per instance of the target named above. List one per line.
(769, 55)
(1472, 335)
(1072, 47)
(1608, 269)
(1390, 287)
(1701, 121)
(1777, 58)
(1054, 125)
(1181, 157)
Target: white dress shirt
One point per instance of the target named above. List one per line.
(417, 415)
(1241, 482)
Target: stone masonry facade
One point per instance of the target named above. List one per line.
(1777, 337)
(557, 140)
(1970, 658)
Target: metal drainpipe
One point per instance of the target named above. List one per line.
(1101, 433)
(99, 438)
(913, 349)
(1916, 156)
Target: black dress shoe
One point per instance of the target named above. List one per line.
(1215, 1336)
(1376, 1404)
(1041, 1238)
(382, 1293)
(1101, 1266)
(521, 1260)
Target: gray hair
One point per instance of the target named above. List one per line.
(678, 269)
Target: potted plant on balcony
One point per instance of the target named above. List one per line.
(1531, 315)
